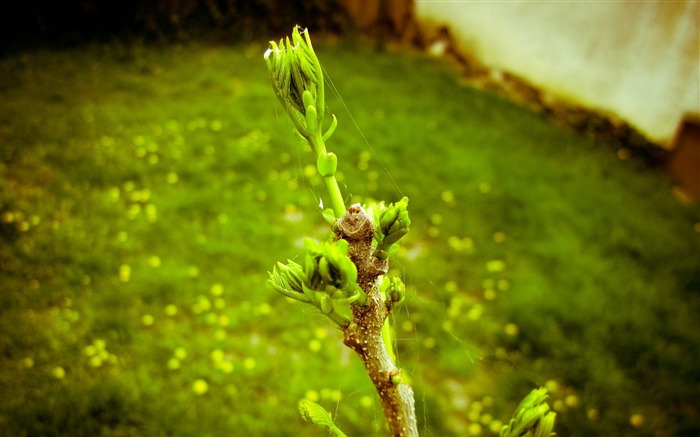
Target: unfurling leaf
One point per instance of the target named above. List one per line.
(316, 414)
(287, 280)
(393, 223)
(328, 264)
(532, 418)
(297, 79)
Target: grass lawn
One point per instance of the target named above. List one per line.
(146, 191)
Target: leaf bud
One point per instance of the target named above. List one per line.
(532, 417)
(311, 118)
(325, 303)
(297, 80)
(394, 223)
(287, 280)
(327, 164)
(396, 291)
(327, 265)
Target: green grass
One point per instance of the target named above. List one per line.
(146, 192)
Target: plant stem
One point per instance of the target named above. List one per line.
(364, 333)
(338, 319)
(337, 202)
(336, 197)
(364, 337)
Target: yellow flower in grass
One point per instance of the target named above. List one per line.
(200, 387)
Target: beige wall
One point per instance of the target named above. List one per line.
(637, 59)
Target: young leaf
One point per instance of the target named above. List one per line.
(532, 418)
(328, 215)
(316, 414)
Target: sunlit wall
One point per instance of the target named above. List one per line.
(637, 59)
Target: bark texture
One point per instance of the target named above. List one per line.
(364, 333)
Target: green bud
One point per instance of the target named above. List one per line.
(388, 217)
(546, 425)
(394, 218)
(403, 219)
(294, 274)
(308, 99)
(396, 290)
(325, 271)
(394, 237)
(327, 164)
(297, 79)
(355, 293)
(307, 56)
(287, 280)
(532, 417)
(343, 246)
(394, 223)
(326, 303)
(321, 280)
(327, 265)
(311, 118)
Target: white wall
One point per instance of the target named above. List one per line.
(637, 59)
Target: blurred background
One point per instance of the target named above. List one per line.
(150, 179)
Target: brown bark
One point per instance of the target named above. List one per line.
(364, 333)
